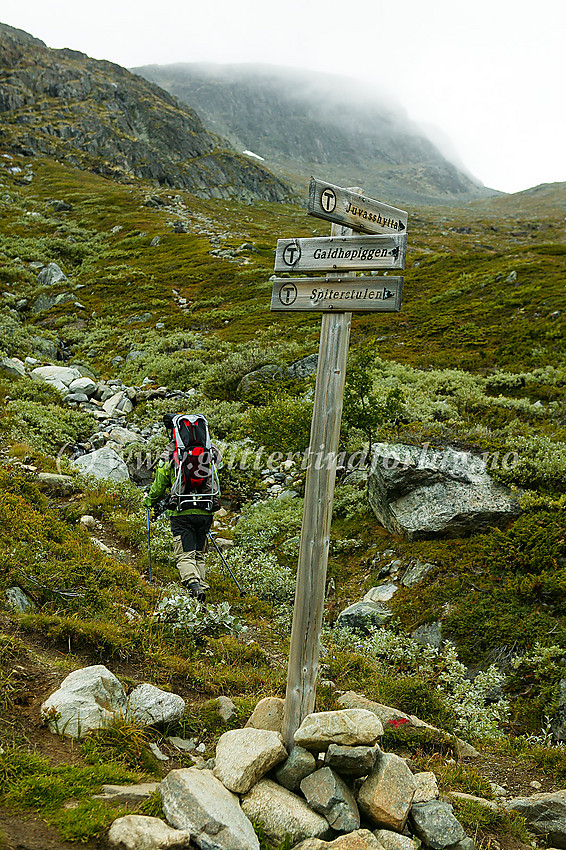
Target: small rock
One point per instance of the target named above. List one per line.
(268, 713)
(349, 727)
(243, 756)
(88, 521)
(139, 832)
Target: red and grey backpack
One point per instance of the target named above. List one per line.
(196, 482)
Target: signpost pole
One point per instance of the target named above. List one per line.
(317, 515)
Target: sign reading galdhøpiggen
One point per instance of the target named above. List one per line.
(341, 253)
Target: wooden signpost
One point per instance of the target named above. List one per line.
(336, 296)
(341, 253)
(345, 206)
(376, 294)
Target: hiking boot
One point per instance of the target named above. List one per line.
(195, 590)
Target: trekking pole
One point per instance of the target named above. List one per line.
(213, 541)
(148, 546)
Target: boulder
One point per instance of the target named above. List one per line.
(118, 404)
(426, 787)
(389, 840)
(283, 813)
(268, 713)
(225, 707)
(243, 756)
(385, 797)
(304, 368)
(294, 769)
(328, 794)
(87, 699)
(264, 375)
(381, 593)
(436, 825)
(58, 376)
(139, 832)
(124, 437)
(56, 482)
(195, 800)
(83, 385)
(350, 727)
(545, 815)
(103, 463)
(363, 616)
(150, 705)
(351, 761)
(361, 839)
(18, 600)
(418, 493)
(12, 367)
(50, 275)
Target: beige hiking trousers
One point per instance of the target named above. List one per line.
(191, 565)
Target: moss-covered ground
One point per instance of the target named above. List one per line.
(475, 358)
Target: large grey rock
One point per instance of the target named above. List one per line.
(389, 840)
(124, 437)
(13, 367)
(351, 761)
(243, 756)
(50, 275)
(149, 705)
(385, 797)
(103, 463)
(118, 404)
(545, 814)
(58, 376)
(304, 368)
(18, 600)
(56, 482)
(47, 300)
(127, 793)
(419, 493)
(195, 800)
(361, 839)
(436, 825)
(426, 787)
(83, 385)
(381, 593)
(328, 794)
(139, 832)
(363, 616)
(283, 813)
(264, 375)
(87, 699)
(294, 769)
(268, 713)
(350, 727)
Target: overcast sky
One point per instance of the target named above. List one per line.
(489, 76)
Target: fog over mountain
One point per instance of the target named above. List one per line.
(301, 123)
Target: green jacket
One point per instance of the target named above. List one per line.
(162, 484)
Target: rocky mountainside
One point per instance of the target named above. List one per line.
(97, 115)
(302, 123)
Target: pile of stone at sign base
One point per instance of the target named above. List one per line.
(335, 789)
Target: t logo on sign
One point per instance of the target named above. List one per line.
(291, 253)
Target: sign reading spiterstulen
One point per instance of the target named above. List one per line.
(373, 294)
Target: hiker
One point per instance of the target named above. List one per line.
(187, 472)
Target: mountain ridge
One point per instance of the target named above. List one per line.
(97, 115)
(301, 123)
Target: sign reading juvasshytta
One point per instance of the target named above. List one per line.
(375, 294)
(341, 253)
(342, 206)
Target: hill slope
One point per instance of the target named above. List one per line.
(303, 123)
(97, 115)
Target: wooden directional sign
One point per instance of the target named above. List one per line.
(346, 207)
(379, 294)
(341, 253)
